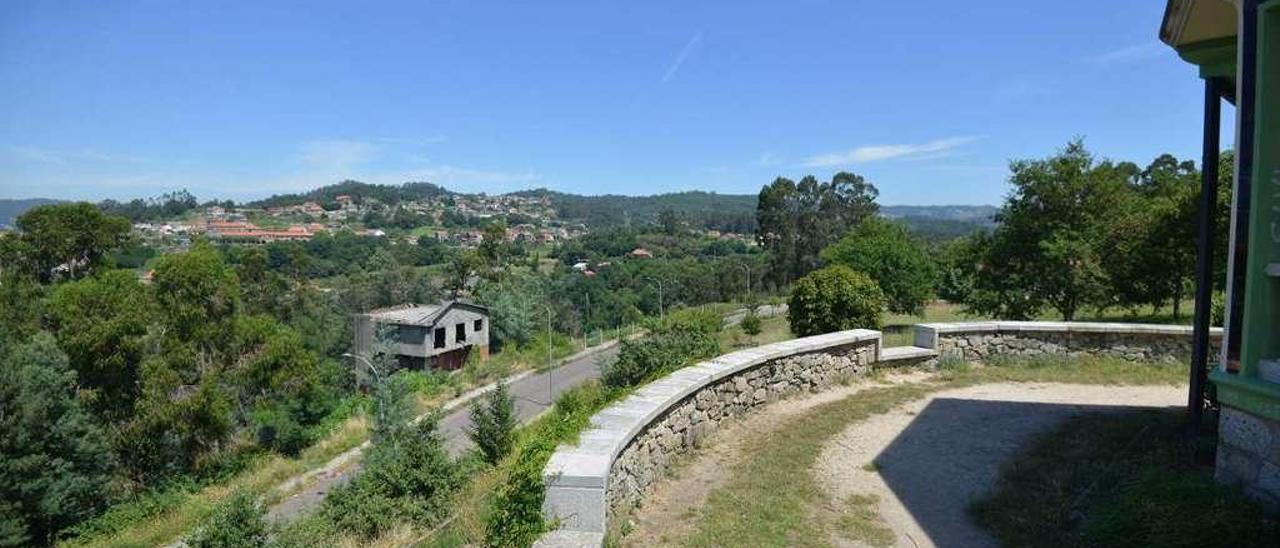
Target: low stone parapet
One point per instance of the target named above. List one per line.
(631, 443)
(980, 340)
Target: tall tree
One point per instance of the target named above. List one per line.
(795, 221)
(1046, 250)
(197, 293)
(101, 323)
(54, 461)
(66, 240)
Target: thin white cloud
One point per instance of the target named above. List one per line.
(767, 159)
(875, 153)
(339, 156)
(42, 155)
(680, 57)
(1129, 54)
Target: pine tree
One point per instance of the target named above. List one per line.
(493, 424)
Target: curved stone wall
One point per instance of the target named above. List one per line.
(630, 444)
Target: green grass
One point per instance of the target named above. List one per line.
(772, 329)
(773, 500)
(861, 522)
(1118, 480)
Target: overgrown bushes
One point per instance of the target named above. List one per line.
(834, 298)
(677, 342)
(237, 522)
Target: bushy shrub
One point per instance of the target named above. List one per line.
(235, 522)
(834, 298)
(751, 324)
(493, 424)
(407, 475)
(892, 256)
(657, 354)
(702, 320)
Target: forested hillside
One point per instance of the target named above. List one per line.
(11, 209)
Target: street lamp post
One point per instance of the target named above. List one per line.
(748, 267)
(377, 377)
(550, 368)
(661, 310)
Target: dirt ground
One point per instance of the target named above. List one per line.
(925, 460)
(670, 511)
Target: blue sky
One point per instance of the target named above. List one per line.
(927, 99)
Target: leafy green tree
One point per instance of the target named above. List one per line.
(180, 422)
(198, 294)
(235, 522)
(1047, 249)
(102, 323)
(21, 304)
(67, 240)
(669, 220)
(958, 262)
(493, 248)
(515, 308)
(493, 424)
(796, 221)
(55, 463)
(834, 298)
(888, 253)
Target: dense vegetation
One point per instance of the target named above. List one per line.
(1080, 233)
(229, 353)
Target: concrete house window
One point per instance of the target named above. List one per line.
(412, 334)
(460, 332)
(479, 324)
(440, 334)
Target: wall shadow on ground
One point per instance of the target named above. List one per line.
(951, 454)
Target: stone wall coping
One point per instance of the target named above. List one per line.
(897, 353)
(1069, 327)
(587, 464)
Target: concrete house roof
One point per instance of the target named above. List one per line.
(421, 314)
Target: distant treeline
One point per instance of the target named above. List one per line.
(708, 210)
(327, 195)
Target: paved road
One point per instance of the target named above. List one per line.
(531, 392)
(764, 311)
(531, 395)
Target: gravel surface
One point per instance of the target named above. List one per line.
(933, 456)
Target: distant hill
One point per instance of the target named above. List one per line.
(387, 194)
(10, 209)
(980, 214)
(707, 210)
(724, 212)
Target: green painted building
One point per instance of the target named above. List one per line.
(1235, 44)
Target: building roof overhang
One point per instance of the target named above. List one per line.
(1203, 32)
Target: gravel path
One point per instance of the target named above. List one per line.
(670, 512)
(933, 456)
